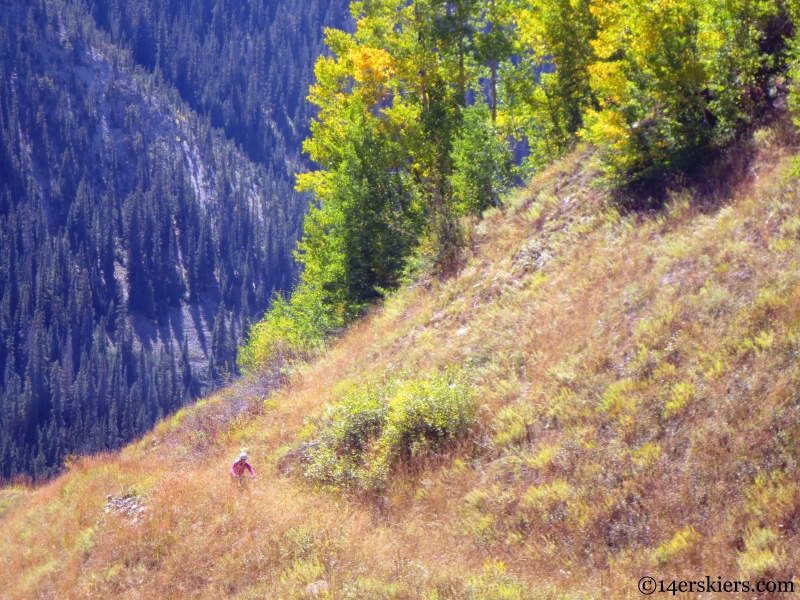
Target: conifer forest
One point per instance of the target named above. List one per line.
(147, 206)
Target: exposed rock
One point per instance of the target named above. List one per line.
(129, 506)
(532, 256)
(317, 589)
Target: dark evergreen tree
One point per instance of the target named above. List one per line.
(146, 174)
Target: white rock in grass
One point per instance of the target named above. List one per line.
(317, 589)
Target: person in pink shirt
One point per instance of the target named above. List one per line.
(238, 467)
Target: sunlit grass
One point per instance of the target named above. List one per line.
(635, 381)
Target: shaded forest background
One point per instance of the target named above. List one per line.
(147, 206)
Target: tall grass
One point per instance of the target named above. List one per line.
(634, 380)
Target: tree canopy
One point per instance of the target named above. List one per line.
(423, 108)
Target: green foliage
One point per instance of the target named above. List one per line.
(683, 542)
(289, 331)
(676, 78)
(793, 60)
(356, 243)
(545, 95)
(389, 115)
(419, 106)
(483, 164)
(377, 426)
(496, 583)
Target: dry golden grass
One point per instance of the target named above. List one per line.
(640, 389)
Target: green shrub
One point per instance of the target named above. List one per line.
(483, 163)
(376, 426)
(676, 78)
(291, 330)
(496, 583)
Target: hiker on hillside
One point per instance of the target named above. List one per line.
(239, 466)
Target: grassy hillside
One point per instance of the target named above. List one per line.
(636, 388)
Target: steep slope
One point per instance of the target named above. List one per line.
(636, 377)
(127, 226)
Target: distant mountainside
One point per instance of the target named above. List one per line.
(247, 65)
(137, 239)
